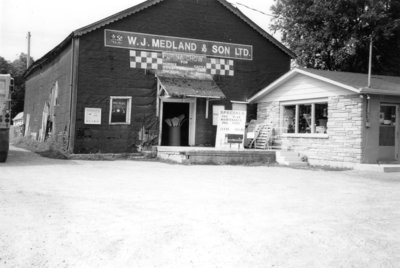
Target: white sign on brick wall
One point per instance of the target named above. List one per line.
(93, 116)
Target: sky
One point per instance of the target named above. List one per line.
(51, 21)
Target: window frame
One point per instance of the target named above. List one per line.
(128, 112)
(312, 102)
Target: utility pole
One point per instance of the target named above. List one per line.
(370, 61)
(28, 60)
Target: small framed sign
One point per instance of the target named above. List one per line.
(93, 116)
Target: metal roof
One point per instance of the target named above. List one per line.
(178, 86)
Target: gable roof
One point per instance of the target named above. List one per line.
(356, 82)
(135, 9)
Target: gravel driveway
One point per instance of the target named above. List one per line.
(63, 213)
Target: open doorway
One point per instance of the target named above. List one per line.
(175, 124)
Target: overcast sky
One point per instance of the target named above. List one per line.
(50, 21)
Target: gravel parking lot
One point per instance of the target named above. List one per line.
(63, 213)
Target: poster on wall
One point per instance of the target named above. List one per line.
(93, 116)
(230, 129)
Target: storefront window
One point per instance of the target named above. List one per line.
(289, 119)
(120, 110)
(305, 118)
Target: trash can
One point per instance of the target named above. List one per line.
(175, 136)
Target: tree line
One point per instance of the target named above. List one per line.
(336, 35)
(16, 68)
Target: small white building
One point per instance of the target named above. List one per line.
(18, 120)
(333, 118)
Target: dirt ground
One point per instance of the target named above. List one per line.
(63, 213)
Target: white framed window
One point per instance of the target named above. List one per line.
(120, 110)
(305, 117)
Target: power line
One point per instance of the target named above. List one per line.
(256, 10)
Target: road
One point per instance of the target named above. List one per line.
(64, 213)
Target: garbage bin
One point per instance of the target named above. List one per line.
(175, 136)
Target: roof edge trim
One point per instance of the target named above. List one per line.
(290, 74)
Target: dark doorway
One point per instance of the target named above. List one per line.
(174, 110)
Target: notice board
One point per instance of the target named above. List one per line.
(230, 129)
(93, 116)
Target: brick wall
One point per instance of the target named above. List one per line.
(343, 144)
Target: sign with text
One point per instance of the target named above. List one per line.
(184, 62)
(230, 129)
(93, 116)
(141, 41)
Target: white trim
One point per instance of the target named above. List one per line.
(128, 112)
(304, 101)
(292, 73)
(240, 102)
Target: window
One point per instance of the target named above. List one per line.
(120, 110)
(305, 118)
(387, 128)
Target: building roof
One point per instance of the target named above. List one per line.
(135, 9)
(356, 82)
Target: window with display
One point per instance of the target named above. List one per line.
(120, 110)
(305, 118)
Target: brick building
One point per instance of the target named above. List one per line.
(120, 83)
(333, 118)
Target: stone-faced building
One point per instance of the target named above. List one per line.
(122, 82)
(333, 118)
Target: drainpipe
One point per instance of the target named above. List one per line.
(72, 95)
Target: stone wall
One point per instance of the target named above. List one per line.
(341, 147)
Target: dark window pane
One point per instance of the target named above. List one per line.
(289, 114)
(305, 118)
(321, 117)
(119, 110)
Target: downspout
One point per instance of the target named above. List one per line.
(71, 95)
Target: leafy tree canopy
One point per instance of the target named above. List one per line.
(16, 69)
(335, 35)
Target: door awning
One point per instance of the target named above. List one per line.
(179, 87)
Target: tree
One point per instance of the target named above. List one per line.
(335, 35)
(16, 69)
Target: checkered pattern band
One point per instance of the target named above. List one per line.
(220, 67)
(146, 60)
(154, 61)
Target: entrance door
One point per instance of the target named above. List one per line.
(389, 140)
(177, 122)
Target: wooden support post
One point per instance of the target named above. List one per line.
(207, 104)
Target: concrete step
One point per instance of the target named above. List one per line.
(390, 168)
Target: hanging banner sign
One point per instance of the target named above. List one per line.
(141, 41)
(230, 129)
(184, 62)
